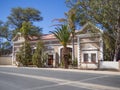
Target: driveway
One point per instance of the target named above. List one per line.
(13, 78)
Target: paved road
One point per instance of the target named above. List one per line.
(49, 79)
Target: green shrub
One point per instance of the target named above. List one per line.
(24, 56)
(75, 63)
(37, 58)
(62, 64)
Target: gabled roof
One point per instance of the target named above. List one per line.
(52, 37)
(34, 38)
(16, 36)
(30, 37)
(89, 26)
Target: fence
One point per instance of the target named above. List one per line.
(110, 65)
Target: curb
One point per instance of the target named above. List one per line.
(69, 70)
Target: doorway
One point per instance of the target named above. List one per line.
(50, 60)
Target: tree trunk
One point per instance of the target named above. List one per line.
(65, 57)
(117, 44)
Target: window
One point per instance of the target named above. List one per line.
(93, 57)
(85, 56)
(19, 38)
(89, 57)
(88, 31)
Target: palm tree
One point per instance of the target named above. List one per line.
(62, 34)
(70, 21)
(71, 24)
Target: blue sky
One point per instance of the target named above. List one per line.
(50, 10)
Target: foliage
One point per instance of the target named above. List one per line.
(71, 23)
(4, 31)
(38, 58)
(25, 54)
(19, 58)
(20, 15)
(109, 45)
(63, 35)
(62, 64)
(20, 18)
(105, 13)
(44, 59)
(28, 30)
(5, 45)
(5, 48)
(75, 63)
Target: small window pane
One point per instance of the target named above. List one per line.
(93, 57)
(85, 57)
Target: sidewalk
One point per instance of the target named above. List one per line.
(78, 70)
(85, 71)
(70, 70)
(7, 66)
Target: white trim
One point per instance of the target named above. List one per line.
(89, 49)
(20, 41)
(101, 48)
(89, 23)
(88, 35)
(13, 54)
(16, 36)
(58, 44)
(78, 52)
(89, 42)
(54, 59)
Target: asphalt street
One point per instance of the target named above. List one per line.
(14, 78)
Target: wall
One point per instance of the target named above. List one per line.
(88, 66)
(5, 60)
(109, 65)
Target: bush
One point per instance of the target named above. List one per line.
(37, 58)
(75, 63)
(24, 56)
(62, 63)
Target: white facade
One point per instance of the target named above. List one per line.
(89, 51)
(88, 46)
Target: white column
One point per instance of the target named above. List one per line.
(13, 54)
(101, 48)
(78, 39)
(97, 56)
(54, 60)
(59, 55)
(89, 57)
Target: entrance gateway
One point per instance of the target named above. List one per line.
(51, 56)
(50, 60)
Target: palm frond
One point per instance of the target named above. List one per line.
(62, 34)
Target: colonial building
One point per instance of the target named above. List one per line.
(88, 47)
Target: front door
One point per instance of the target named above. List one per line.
(50, 59)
